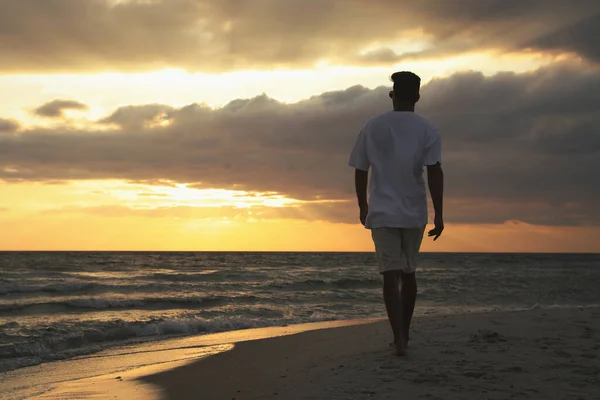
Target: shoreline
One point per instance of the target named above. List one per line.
(151, 340)
(475, 353)
(33, 381)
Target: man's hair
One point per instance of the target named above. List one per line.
(406, 86)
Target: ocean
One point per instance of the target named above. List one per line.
(59, 305)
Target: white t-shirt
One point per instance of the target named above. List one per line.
(395, 146)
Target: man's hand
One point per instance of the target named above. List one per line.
(436, 232)
(364, 211)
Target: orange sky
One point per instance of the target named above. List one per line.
(111, 215)
(110, 149)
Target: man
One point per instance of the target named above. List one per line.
(395, 146)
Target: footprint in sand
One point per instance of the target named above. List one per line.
(436, 378)
(513, 369)
(474, 374)
(588, 333)
(450, 351)
(546, 341)
(485, 336)
(562, 353)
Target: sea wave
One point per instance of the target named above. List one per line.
(101, 304)
(175, 282)
(345, 283)
(61, 287)
(206, 276)
(69, 288)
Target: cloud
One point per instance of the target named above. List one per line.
(56, 108)
(136, 117)
(8, 125)
(582, 37)
(516, 146)
(210, 35)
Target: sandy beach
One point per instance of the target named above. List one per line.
(536, 354)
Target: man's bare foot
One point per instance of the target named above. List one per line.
(392, 345)
(400, 349)
(399, 346)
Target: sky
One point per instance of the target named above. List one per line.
(226, 125)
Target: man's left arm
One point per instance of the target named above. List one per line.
(361, 181)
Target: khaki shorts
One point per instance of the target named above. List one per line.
(397, 248)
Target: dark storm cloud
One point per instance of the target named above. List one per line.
(8, 125)
(516, 146)
(582, 37)
(218, 35)
(56, 108)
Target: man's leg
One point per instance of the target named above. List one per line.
(408, 296)
(393, 306)
(411, 245)
(388, 247)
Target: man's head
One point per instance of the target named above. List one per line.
(406, 88)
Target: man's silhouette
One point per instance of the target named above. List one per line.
(395, 146)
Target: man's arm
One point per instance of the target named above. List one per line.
(361, 180)
(359, 160)
(435, 179)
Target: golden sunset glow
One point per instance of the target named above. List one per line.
(192, 137)
(129, 216)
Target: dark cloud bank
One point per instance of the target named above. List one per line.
(516, 146)
(8, 125)
(218, 35)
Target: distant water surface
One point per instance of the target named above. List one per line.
(56, 305)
